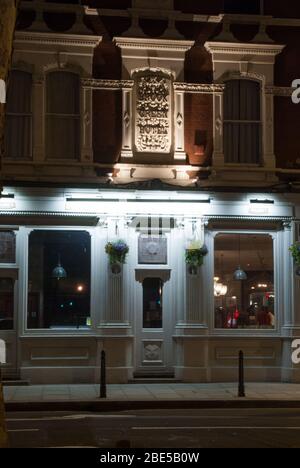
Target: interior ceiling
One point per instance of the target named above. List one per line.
(256, 252)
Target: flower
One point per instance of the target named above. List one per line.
(117, 251)
(194, 254)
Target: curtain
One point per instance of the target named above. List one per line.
(18, 127)
(62, 115)
(242, 122)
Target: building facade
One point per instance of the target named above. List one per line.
(151, 191)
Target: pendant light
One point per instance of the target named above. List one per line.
(239, 274)
(59, 272)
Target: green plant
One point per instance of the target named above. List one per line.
(295, 250)
(117, 251)
(195, 254)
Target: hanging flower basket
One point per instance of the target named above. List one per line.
(295, 250)
(117, 252)
(194, 256)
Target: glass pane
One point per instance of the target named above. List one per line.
(63, 137)
(7, 247)
(152, 303)
(247, 302)
(6, 304)
(18, 133)
(59, 279)
(19, 93)
(62, 93)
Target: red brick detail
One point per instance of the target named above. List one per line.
(287, 142)
(198, 116)
(107, 126)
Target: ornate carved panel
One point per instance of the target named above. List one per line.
(152, 352)
(152, 250)
(153, 124)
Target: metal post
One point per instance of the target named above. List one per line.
(103, 376)
(241, 375)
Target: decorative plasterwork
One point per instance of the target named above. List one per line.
(279, 91)
(167, 45)
(112, 85)
(250, 50)
(153, 103)
(54, 39)
(199, 88)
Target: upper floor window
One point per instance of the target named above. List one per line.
(242, 122)
(62, 115)
(18, 129)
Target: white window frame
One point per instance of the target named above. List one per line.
(277, 286)
(23, 289)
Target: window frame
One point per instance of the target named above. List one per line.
(247, 122)
(277, 286)
(23, 114)
(23, 293)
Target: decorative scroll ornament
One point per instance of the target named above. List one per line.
(153, 113)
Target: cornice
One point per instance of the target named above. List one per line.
(107, 84)
(199, 88)
(113, 85)
(238, 48)
(70, 40)
(279, 91)
(169, 45)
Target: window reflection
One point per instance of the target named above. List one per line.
(246, 303)
(59, 279)
(152, 303)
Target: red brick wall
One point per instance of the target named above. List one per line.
(107, 126)
(198, 116)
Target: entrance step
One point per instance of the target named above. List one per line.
(11, 377)
(15, 383)
(153, 380)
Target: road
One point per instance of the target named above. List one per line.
(261, 428)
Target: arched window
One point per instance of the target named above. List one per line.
(18, 128)
(242, 122)
(62, 115)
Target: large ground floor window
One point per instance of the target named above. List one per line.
(244, 281)
(59, 277)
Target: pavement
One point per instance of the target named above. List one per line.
(139, 396)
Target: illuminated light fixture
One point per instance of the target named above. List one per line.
(59, 272)
(239, 274)
(258, 201)
(80, 288)
(220, 289)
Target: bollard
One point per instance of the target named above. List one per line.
(241, 375)
(103, 375)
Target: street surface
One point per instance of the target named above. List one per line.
(261, 428)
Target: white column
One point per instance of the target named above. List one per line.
(127, 123)
(38, 119)
(86, 125)
(218, 155)
(179, 153)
